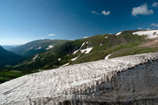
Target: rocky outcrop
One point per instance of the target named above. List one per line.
(124, 80)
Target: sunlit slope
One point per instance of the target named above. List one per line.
(84, 50)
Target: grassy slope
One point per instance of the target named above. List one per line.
(102, 45)
(7, 74)
(25, 50)
(112, 44)
(124, 44)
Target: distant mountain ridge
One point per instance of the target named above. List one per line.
(7, 47)
(8, 58)
(35, 47)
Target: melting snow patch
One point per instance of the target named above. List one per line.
(73, 59)
(59, 59)
(65, 65)
(35, 57)
(87, 50)
(106, 37)
(75, 51)
(150, 34)
(38, 48)
(49, 47)
(107, 57)
(79, 48)
(82, 45)
(118, 33)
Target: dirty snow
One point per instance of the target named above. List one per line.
(150, 33)
(87, 50)
(118, 33)
(49, 47)
(60, 81)
(35, 57)
(38, 48)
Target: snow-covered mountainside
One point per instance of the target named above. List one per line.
(127, 79)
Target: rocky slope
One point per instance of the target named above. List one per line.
(123, 80)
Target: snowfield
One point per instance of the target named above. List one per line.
(55, 83)
(150, 33)
(87, 50)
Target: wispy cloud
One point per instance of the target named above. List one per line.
(51, 35)
(105, 13)
(95, 12)
(153, 24)
(143, 10)
(139, 28)
(102, 13)
(155, 4)
(85, 37)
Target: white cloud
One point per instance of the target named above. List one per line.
(51, 35)
(153, 24)
(155, 4)
(105, 13)
(85, 37)
(148, 29)
(143, 10)
(95, 12)
(139, 28)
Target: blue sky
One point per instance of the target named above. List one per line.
(22, 21)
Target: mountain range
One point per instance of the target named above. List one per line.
(48, 54)
(37, 46)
